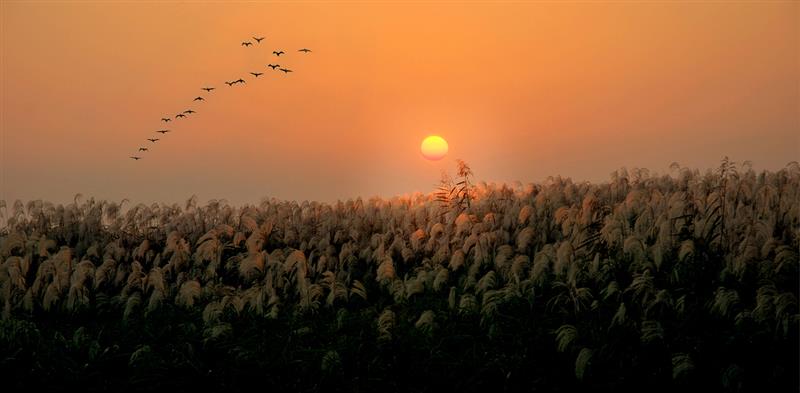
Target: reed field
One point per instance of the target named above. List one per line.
(641, 283)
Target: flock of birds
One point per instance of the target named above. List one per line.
(209, 89)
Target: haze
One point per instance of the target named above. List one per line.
(519, 91)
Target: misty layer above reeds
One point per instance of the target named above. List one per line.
(643, 281)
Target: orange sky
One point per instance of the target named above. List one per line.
(520, 91)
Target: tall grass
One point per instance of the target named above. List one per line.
(640, 282)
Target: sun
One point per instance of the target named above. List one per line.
(434, 147)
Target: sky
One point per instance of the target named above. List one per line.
(520, 91)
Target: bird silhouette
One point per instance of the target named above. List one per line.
(240, 80)
(136, 158)
(286, 70)
(162, 131)
(143, 149)
(180, 115)
(164, 119)
(256, 74)
(247, 43)
(199, 99)
(273, 66)
(278, 53)
(189, 111)
(208, 89)
(230, 83)
(258, 39)
(154, 140)
(304, 50)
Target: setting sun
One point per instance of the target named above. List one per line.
(434, 148)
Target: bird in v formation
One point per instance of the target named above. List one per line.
(229, 83)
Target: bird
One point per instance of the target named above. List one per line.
(240, 80)
(247, 43)
(258, 39)
(136, 158)
(163, 131)
(154, 140)
(199, 99)
(286, 70)
(143, 149)
(165, 119)
(189, 111)
(256, 74)
(273, 66)
(208, 89)
(180, 115)
(230, 83)
(278, 53)
(304, 50)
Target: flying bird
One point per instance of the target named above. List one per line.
(286, 70)
(247, 43)
(273, 66)
(258, 39)
(180, 115)
(136, 158)
(256, 74)
(165, 119)
(163, 131)
(230, 83)
(199, 99)
(278, 53)
(189, 111)
(143, 149)
(154, 140)
(304, 50)
(240, 80)
(208, 89)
